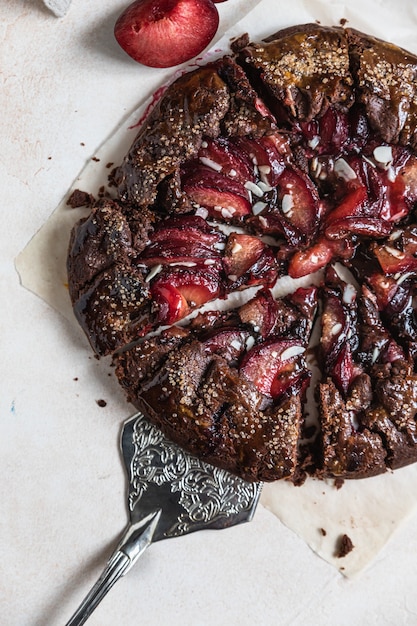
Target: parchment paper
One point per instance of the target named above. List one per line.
(368, 510)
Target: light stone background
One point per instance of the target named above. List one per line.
(65, 88)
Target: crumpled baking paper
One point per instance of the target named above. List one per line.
(369, 510)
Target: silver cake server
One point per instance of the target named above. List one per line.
(170, 494)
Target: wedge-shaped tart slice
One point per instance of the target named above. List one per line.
(368, 399)
(221, 391)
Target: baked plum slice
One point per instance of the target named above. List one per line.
(182, 239)
(248, 261)
(276, 366)
(267, 155)
(229, 342)
(178, 290)
(223, 197)
(339, 331)
(320, 254)
(328, 134)
(223, 156)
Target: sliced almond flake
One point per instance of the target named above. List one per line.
(336, 329)
(343, 170)
(314, 142)
(232, 277)
(236, 344)
(264, 169)
(391, 174)
(349, 294)
(291, 352)
(314, 165)
(211, 164)
(383, 154)
(287, 203)
(395, 252)
(264, 186)
(263, 221)
(258, 207)
(201, 212)
(396, 234)
(375, 355)
(236, 248)
(153, 272)
(229, 212)
(204, 144)
(254, 188)
(404, 277)
(220, 246)
(250, 342)
(232, 173)
(209, 262)
(183, 264)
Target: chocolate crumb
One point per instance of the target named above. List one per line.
(338, 483)
(323, 532)
(101, 403)
(344, 546)
(95, 159)
(343, 21)
(109, 165)
(80, 198)
(76, 378)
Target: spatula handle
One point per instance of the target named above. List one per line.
(115, 568)
(134, 542)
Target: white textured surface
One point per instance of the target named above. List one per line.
(62, 484)
(58, 7)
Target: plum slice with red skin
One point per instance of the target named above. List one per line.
(275, 366)
(219, 194)
(177, 290)
(299, 201)
(182, 239)
(230, 343)
(264, 154)
(164, 33)
(329, 133)
(224, 156)
(393, 261)
(320, 254)
(246, 256)
(339, 332)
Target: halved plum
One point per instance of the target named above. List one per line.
(275, 366)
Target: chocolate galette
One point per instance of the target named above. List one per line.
(286, 167)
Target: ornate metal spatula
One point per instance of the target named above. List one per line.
(170, 494)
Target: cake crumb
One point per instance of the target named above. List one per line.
(323, 532)
(338, 483)
(101, 403)
(344, 546)
(343, 21)
(80, 198)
